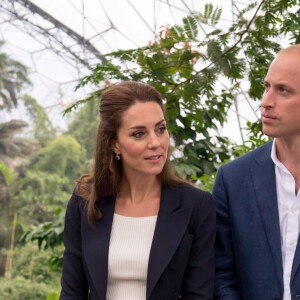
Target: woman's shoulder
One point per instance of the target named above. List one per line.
(199, 201)
(190, 194)
(76, 202)
(189, 189)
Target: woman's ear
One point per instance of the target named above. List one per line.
(115, 147)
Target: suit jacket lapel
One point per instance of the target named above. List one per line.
(170, 227)
(96, 246)
(263, 175)
(296, 261)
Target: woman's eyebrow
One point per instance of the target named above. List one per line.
(143, 126)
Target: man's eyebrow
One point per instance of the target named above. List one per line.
(276, 84)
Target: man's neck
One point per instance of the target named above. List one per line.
(288, 152)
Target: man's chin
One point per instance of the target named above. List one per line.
(269, 133)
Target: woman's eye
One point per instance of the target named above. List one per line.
(162, 129)
(138, 134)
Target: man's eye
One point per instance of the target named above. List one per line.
(282, 89)
(266, 86)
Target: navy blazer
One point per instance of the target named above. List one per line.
(248, 243)
(181, 262)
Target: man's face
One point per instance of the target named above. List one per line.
(280, 106)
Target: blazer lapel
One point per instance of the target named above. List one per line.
(170, 227)
(296, 261)
(96, 246)
(263, 175)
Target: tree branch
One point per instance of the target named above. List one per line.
(228, 50)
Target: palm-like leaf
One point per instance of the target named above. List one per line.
(13, 76)
(14, 149)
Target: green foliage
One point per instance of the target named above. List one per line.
(6, 173)
(20, 288)
(27, 192)
(84, 126)
(63, 156)
(13, 77)
(255, 139)
(198, 74)
(37, 194)
(210, 16)
(38, 183)
(193, 104)
(34, 265)
(207, 182)
(14, 149)
(49, 234)
(52, 296)
(190, 28)
(43, 129)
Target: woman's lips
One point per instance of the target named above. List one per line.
(153, 157)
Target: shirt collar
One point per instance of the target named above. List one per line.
(275, 159)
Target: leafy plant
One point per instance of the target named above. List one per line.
(48, 235)
(20, 288)
(200, 74)
(6, 173)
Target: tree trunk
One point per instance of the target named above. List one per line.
(9, 258)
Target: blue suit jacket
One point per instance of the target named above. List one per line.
(248, 243)
(181, 262)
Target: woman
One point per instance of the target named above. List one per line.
(134, 230)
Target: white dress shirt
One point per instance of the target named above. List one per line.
(289, 208)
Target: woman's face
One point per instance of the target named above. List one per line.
(143, 139)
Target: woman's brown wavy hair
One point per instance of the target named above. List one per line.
(105, 178)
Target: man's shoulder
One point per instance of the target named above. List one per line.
(260, 153)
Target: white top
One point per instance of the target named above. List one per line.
(129, 249)
(289, 208)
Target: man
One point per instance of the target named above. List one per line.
(258, 200)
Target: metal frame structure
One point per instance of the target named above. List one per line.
(80, 53)
(54, 35)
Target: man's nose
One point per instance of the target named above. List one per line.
(268, 98)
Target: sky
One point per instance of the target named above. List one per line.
(109, 25)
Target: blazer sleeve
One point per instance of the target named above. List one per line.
(226, 284)
(73, 281)
(198, 280)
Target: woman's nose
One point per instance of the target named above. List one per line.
(153, 141)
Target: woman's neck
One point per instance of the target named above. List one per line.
(139, 198)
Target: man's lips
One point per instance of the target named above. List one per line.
(267, 116)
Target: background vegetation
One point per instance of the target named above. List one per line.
(199, 78)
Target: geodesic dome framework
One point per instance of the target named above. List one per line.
(61, 40)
